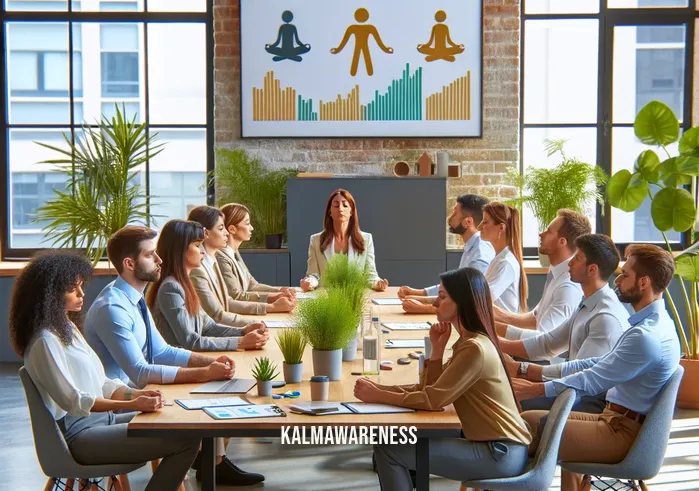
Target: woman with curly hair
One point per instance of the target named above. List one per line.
(45, 320)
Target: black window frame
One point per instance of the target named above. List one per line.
(72, 17)
(609, 18)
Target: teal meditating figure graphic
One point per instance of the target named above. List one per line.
(291, 46)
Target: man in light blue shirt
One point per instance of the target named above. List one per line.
(478, 253)
(633, 372)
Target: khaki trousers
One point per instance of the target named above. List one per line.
(597, 438)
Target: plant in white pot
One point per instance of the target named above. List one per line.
(328, 322)
(353, 279)
(292, 344)
(264, 371)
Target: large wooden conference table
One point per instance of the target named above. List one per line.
(174, 421)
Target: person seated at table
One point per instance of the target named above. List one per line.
(464, 221)
(176, 308)
(44, 324)
(474, 380)
(246, 294)
(341, 235)
(119, 327)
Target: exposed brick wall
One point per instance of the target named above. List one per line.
(484, 160)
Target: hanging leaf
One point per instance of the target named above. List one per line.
(648, 165)
(656, 124)
(687, 266)
(672, 174)
(689, 143)
(626, 191)
(673, 208)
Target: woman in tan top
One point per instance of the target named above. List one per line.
(474, 380)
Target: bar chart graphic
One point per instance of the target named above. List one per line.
(272, 103)
(402, 101)
(342, 109)
(306, 110)
(453, 102)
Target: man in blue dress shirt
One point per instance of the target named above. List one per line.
(120, 329)
(633, 372)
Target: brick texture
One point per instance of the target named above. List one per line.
(483, 160)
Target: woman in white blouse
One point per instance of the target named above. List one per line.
(45, 308)
(341, 235)
(505, 274)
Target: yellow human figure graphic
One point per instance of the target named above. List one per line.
(440, 46)
(361, 34)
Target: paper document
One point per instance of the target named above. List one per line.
(387, 301)
(214, 402)
(319, 408)
(280, 323)
(405, 343)
(370, 408)
(244, 412)
(407, 326)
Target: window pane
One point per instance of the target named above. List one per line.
(128, 109)
(644, 4)
(31, 183)
(39, 112)
(112, 5)
(560, 71)
(56, 71)
(119, 37)
(581, 143)
(34, 36)
(561, 6)
(178, 174)
(648, 65)
(177, 5)
(120, 74)
(636, 226)
(177, 73)
(23, 71)
(37, 5)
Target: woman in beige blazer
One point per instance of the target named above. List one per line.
(210, 279)
(341, 235)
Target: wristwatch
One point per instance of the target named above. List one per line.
(523, 368)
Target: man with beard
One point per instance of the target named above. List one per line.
(633, 372)
(592, 330)
(120, 329)
(464, 221)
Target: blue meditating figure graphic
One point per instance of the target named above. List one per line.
(291, 46)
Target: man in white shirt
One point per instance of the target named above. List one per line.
(561, 295)
(591, 331)
(478, 253)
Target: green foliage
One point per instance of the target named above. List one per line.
(101, 195)
(264, 369)
(240, 178)
(292, 345)
(672, 206)
(340, 272)
(571, 184)
(328, 322)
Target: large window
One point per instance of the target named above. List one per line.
(69, 64)
(588, 66)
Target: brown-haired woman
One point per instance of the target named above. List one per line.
(475, 380)
(505, 274)
(341, 235)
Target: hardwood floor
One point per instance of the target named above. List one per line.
(291, 468)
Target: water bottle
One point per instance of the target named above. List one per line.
(372, 346)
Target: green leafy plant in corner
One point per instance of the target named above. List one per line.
(328, 321)
(240, 178)
(672, 206)
(353, 278)
(292, 344)
(264, 369)
(571, 184)
(101, 194)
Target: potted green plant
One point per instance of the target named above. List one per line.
(292, 345)
(328, 322)
(240, 178)
(341, 272)
(672, 208)
(570, 184)
(264, 371)
(102, 194)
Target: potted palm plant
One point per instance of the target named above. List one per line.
(264, 371)
(672, 207)
(571, 184)
(102, 194)
(341, 272)
(240, 178)
(292, 345)
(328, 322)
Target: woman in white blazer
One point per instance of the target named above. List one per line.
(341, 235)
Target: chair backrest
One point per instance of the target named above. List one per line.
(51, 449)
(649, 447)
(546, 456)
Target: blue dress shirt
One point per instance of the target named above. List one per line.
(116, 331)
(478, 253)
(637, 368)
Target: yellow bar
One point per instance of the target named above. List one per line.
(468, 95)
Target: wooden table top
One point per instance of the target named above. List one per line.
(177, 418)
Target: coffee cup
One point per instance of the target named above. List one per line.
(320, 387)
(428, 348)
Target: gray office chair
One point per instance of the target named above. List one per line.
(540, 470)
(648, 450)
(54, 457)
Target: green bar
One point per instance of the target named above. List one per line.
(419, 91)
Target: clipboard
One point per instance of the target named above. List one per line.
(371, 408)
(192, 404)
(245, 412)
(407, 326)
(386, 301)
(404, 343)
(319, 408)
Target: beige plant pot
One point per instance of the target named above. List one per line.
(688, 397)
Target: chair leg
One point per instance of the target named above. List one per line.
(154, 465)
(114, 483)
(69, 484)
(49, 484)
(643, 486)
(124, 482)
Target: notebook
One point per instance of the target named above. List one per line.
(407, 326)
(191, 404)
(387, 301)
(405, 343)
(232, 386)
(280, 323)
(319, 408)
(244, 412)
(371, 408)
